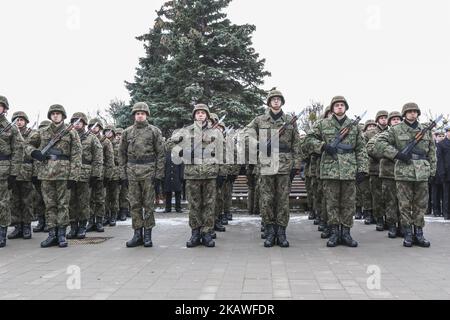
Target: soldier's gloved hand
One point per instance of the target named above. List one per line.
(124, 183)
(11, 181)
(71, 184)
(37, 155)
(220, 181)
(35, 181)
(332, 151)
(403, 157)
(360, 176)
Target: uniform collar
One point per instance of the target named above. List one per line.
(268, 116)
(141, 124)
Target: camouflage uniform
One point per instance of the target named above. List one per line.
(411, 176)
(253, 192)
(141, 159)
(58, 174)
(11, 158)
(339, 176)
(364, 186)
(113, 185)
(124, 202)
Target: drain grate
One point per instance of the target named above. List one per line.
(89, 241)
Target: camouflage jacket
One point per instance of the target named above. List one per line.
(108, 157)
(201, 167)
(386, 167)
(347, 164)
(92, 158)
(69, 146)
(395, 139)
(374, 162)
(116, 170)
(11, 149)
(290, 141)
(27, 167)
(141, 153)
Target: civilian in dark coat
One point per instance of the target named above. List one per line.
(173, 183)
(443, 170)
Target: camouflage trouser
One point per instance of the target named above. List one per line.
(22, 203)
(98, 199)
(377, 197)
(79, 208)
(219, 202)
(317, 202)
(201, 195)
(38, 202)
(309, 192)
(227, 196)
(142, 200)
(112, 198)
(274, 199)
(253, 194)
(124, 202)
(365, 194)
(5, 209)
(340, 201)
(390, 201)
(359, 196)
(321, 205)
(56, 198)
(412, 201)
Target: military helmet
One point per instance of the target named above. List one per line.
(275, 93)
(20, 114)
(56, 108)
(110, 127)
(119, 130)
(203, 107)
(4, 102)
(79, 115)
(326, 112)
(214, 117)
(338, 99)
(368, 123)
(382, 113)
(94, 121)
(44, 123)
(409, 107)
(394, 114)
(142, 107)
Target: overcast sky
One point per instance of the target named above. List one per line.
(378, 54)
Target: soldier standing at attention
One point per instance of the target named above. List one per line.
(113, 185)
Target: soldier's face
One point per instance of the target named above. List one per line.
(412, 115)
(371, 127)
(108, 134)
(339, 108)
(118, 136)
(276, 103)
(439, 137)
(140, 116)
(96, 130)
(2, 109)
(382, 121)
(395, 121)
(21, 123)
(79, 126)
(200, 116)
(56, 117)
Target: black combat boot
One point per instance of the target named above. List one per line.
(46, 228)
(81, 234)
(148, 238)
(408, 240)
(91, 225)
(281, 237)
(123, 214)
(99, 224)
(392, 234)
(105, 220)
(263, 231)
(207, 240)
(229, 216)
(73, 231)
(380, 224)
(128, 213)
(62, 242)
(419, 239)
(358, 213)
(368, 217)
(40, 226)
(26, 231)
(195, 239)
(51, 240)
(113, 219)
(3, 231)
(137, 239)
(347, 238)
(334, 238)
(17, 233)
(312, 215)
(317, 218)
(218, 224)
(326, 234)
(322, 225)
(270, 236)
(224, 220)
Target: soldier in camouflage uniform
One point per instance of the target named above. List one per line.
(22, 192)
(412, 172)
(141, 159)
(275, 182)
(11, 158)
(113, 185)
(389, 190)
(98, 192)
(38, 201)
(365, 184)
(201, 174)
(253, 195)
(59, 171)
(91, 172)
(339, 175)
(124, 202)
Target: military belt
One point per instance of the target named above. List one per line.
(4, 158)
(54, 157)
(142, 161)
(344, 151)
(87, 163)
(415, 156)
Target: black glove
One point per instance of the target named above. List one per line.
(220, 181)
(124, 183)
(37, 154)
(403, 157)
(11, 181)
(360, 176)
(36, 182)
(71, 184)
(332, 151)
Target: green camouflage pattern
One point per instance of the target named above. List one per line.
(413, 202)
(274, 199)
(340, 201)
(5, 206)
(11, 144)
(92, 158)
(201, 195)
(142, 200)
(56, 198)
(79, 203)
